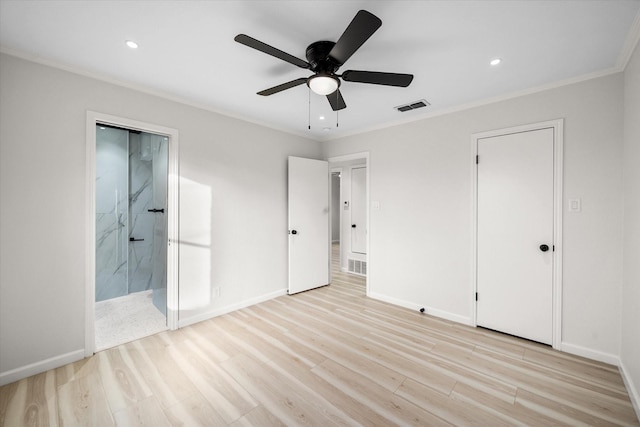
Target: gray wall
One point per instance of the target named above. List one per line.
(420, 238)
(630, 352)
(233, 206)
(429, 163)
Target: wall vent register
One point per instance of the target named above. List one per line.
(356, 266)
(412, 106)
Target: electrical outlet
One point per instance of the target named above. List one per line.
(216, 292)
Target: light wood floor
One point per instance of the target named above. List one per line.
(325, 357)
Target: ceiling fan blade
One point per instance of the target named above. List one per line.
(363, 25)
(283, 86)
(336, 100)
(270, 50)
(377, 78)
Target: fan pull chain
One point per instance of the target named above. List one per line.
(338, 110)
(309, 122)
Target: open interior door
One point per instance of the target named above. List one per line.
(309, 242)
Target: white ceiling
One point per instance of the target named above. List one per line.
(187, 51)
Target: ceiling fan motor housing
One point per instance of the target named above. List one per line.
(318, 57)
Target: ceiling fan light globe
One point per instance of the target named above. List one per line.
(323, 85)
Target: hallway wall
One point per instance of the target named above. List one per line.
(630, 322)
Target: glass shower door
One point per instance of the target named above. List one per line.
(147, 218)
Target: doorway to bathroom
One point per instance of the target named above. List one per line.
(133, 291)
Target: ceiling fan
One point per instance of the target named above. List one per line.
(325, 57)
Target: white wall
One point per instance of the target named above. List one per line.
(233, 208)
(233, 225)
(630, 351)
(420, 242)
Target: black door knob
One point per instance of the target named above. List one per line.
(544, 248)
(294, 231)
(353, 226)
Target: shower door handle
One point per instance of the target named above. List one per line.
(155, 210)
(132, 239)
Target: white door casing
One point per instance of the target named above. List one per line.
(359, 210)
(92, 118)
(309, 239)
(517, 209)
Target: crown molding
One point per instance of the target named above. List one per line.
(632, 41)
(633, 38)
(141, 88)
(485, 101)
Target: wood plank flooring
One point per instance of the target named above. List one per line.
(325, 357)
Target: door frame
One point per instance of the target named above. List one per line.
(558, 135)
(94, 118)
(351, 169)
(367, 163)
(337, 170)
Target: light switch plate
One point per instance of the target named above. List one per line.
(575, 205)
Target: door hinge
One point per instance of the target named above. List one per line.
(476, 296)
(553, 248)
(477, 159)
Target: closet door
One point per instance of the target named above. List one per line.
(515, 234)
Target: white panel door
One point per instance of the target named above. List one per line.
(515, 234)
(308, 224)
(359, 210)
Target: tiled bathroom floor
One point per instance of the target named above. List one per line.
(128, 318)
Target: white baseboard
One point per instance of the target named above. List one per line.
(428, 310)
(57, 361)
(600, 356)
(229, 308)
(38, 367)
(631, 389)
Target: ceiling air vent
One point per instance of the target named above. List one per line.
(412, 106)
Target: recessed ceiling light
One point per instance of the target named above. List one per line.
(495, 61)
(326, 129)
(321, 117)
(131, 44)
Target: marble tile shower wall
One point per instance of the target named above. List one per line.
(131, 178)
(112, 213)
